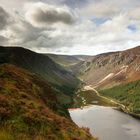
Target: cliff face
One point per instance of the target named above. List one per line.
(111, 69)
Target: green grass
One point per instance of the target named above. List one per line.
(4, 135)
(91, 98)
(128, 94)
(2, 72)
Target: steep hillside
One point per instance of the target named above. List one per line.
(40, 64)
(127, 94)
(30, 110)
(111, 69)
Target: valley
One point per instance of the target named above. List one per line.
(40, 64)
(115, 76)
(88, 96)
(69, 69)
(35, 93)
(41, 88)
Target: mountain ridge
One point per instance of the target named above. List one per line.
(110, 69)
(42, 65)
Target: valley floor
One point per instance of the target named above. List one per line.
(119, 105)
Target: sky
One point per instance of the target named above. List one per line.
(70, 27)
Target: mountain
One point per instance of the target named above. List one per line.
(110, 69)
(68, 61)
(30, 109)
(64, 60)
(40, 64)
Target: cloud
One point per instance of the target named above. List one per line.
(110, 8)
(21, 32)
(135, 13)
(42, 15)
(3, 40)
(75, 3)
(100, 9)
(73, 27)
(4, 18)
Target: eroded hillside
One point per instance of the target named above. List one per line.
(110, 69)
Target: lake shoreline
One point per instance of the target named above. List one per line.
(129, 113)
(120, 107)
(117, 105)
(106, 122)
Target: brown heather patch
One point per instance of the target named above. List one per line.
(29, 109)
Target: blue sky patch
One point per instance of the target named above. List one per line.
(132, 28)
(99, 21)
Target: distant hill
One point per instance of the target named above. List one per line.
(30, 110)
(110, 69)
(68, 61)
(40, 64)
(64, 60)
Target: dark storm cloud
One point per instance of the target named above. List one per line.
(52, 16)
(4, 18)
(43, 14)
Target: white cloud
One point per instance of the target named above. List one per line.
(51, 26)
(135, 13)
(100, 9)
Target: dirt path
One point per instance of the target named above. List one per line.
(105, 98)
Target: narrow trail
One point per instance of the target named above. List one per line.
(106, 98)
(120, 106)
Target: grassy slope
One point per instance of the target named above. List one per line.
(30, 110)
(128, 94)
(42, 65)
(90, 98)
